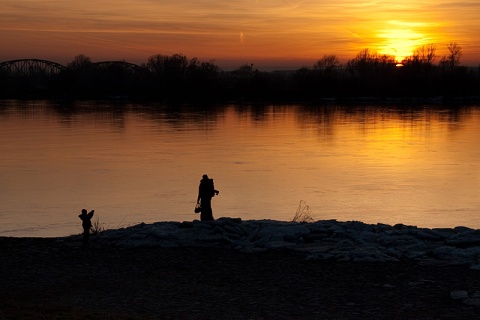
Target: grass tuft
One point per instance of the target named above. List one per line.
(303, 214)
(97, 227)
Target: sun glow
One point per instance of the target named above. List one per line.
(401, 39)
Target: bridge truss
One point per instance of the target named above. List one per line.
(29, 67)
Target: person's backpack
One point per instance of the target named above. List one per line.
(206, 188)
(211, 188)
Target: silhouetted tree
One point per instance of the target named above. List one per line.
(80, 62)
(203, 80)
(305, 84)
(424, 54)
(456, 79)
(241, 82)
(452, 60)
(328, 64)
(80, 81)
(373, 72)
(169, 74)
(325, 74)
(455, 54)
(418, 76)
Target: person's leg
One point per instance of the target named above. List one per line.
(86, 233)
(206, 214)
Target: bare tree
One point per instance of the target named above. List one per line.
(327, 63)
(422, 55)
(368, 62)
(80, 62)
(430, 54)
(452, 60)
(455, 54)
(426, 53)
(173, 66)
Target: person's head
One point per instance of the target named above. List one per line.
(205, 177)
(84, 211)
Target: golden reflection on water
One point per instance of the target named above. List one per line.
(132, 163)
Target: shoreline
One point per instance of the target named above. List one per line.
(317, 240)
(320, 240)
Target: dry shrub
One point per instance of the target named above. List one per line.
(303, 214)
(97, 227)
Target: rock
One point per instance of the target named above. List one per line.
(453, 254)
(290, 232)
(166, 231)
(262, 241)
(461, 229)
(186, 224)
(415, 254)
(320, 256)
(234, 230)
(275, 245)
(472, 302)
(465, 241)
(426, 235)
(368, 236)
(459, 295)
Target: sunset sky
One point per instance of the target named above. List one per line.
(268, 33)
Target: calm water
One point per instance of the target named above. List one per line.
(135, 163)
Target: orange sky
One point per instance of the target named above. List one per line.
(268, 33)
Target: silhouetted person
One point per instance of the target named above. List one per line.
(86, 223)
(206, 191)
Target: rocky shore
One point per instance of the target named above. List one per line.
(257, 269)
(322, 240)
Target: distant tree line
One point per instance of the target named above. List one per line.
(177, 78)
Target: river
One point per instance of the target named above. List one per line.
(411, 164)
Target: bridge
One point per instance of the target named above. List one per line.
(27, 67)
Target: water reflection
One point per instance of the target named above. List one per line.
(133, 163)
(178, 116)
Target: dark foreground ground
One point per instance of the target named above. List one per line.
(47, 279)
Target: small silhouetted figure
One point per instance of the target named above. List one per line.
(206, 191)
(86, 223)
